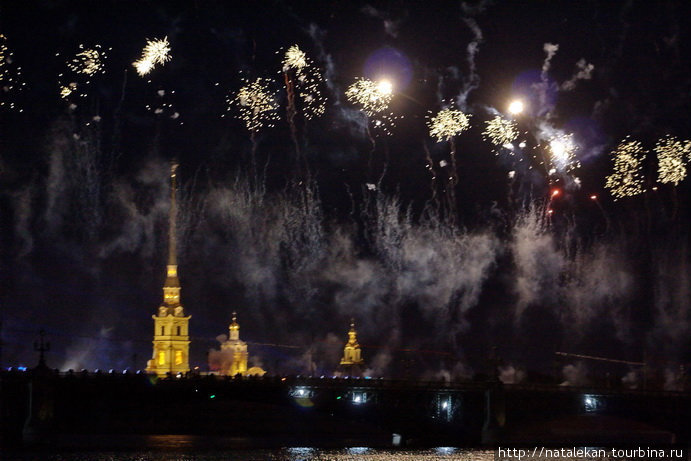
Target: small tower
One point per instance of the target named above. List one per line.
(234, 351)
(352, 362)
(171, 333)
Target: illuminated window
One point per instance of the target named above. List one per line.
(178, 357)
(162, 358)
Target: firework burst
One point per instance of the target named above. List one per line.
(627, 178)
(372, 97)
(294, 59)
(9, 75)
(500, 132)
(562, 150)
(672, 157)
(256, 104)
(89, 61)
(447, 124)
(155, 52)
(304, 80)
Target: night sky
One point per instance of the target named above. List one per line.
(303, 225)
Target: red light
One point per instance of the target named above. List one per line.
(550, 211)
(556, 192)
(593, 197)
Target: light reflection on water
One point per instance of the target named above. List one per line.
(185, 448)
(286, 454)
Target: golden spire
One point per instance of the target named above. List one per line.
(234, 329)
(172, 250)
(352, 335)
(171, 288)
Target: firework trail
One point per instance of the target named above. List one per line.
(155, 52)
(445, 126)
(257, 108)
(301, 79)
(585, 71)
(373, 98)
(627, 178)
(10, 76)
(544, 86)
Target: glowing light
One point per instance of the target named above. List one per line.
(447, 124)
(593, 197)
(256, 105)
(155, 52)
(627, 178)
(516, 107)
(672, 157)
(562, 150)
(385, 87)
(555, 193)
(372, 97)
(501, 132)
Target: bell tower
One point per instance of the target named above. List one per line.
(171, 326)
(352, 364)
(351, 351)
(235, 351)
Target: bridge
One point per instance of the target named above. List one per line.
(41, 406)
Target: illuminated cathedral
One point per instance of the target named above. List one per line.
(171, 342)
(234, 354)
(352, 363)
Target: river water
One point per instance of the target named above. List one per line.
(200, 448)
(278, 454)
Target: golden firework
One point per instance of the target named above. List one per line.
(306, 81)
(294, 58)
(10, 75)
(372, 97)
(256, 104)
(500, 131)
(627, 178)
(672, 157)
(155, 52)
(89, 61)
(447, 124)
